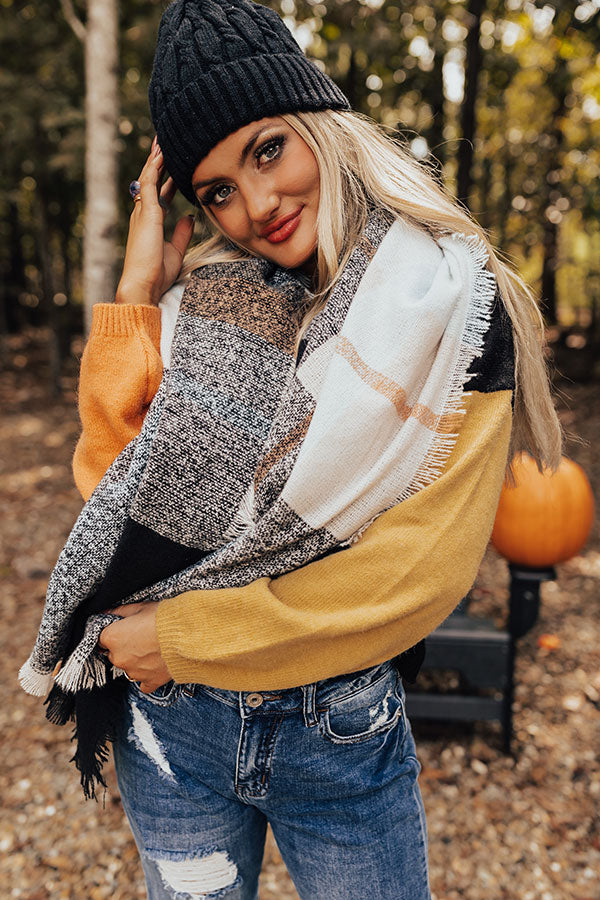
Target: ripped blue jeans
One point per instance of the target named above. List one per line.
(330, 765)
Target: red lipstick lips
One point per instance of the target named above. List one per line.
(282, 228)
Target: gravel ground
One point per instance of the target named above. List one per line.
(522, 828)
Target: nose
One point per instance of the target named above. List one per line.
(262, 202)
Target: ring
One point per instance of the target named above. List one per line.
(128, 677)
(134, 190)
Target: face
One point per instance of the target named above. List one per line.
(261, 184)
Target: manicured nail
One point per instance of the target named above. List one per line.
(156, 150)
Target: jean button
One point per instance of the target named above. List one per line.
(254, 700)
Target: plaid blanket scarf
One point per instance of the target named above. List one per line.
(251, 462)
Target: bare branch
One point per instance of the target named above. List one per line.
(73, 19)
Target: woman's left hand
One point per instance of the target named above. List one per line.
(132, 645)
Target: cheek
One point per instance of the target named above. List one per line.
(302, 174)
(233, 222)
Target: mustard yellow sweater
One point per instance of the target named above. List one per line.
(352, 609)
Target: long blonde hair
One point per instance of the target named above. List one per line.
(360, 164)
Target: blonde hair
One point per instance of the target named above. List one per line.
(360, 164)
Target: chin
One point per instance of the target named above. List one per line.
(294, 261)
(294, 257)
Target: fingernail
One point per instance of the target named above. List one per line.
(156, 150)
(154, 139)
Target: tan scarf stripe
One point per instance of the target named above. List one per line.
(446, 424)
(273, 321)
(367, 247)
(292, 438)
(452, 422)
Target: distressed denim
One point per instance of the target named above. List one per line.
(330, 765)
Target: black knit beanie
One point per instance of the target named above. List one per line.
(219, 65)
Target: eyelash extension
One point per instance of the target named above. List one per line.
(277, 141)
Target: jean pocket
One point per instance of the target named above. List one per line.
(368, 712)
(165, 695)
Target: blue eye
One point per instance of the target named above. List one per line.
(215, 195)
(266, 153)
(219, 196)
(271, 149)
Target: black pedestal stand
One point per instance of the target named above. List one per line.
(483, 655)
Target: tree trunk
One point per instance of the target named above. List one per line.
(46, 268)
(504, 203)
(473, 62)
(101, 164)
(560, 84)
(350, 86)
(435, 133)
(72, 319)
(13, 281)
(485, 190)
(549, 266)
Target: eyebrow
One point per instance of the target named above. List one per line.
(243, 155)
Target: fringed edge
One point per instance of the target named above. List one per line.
(479, 313)
(60, 707)
(244, 518)
(82, 676)
(34, 682)
(90, 781)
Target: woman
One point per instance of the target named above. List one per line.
(303, 492)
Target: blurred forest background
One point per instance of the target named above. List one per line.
(501, 96)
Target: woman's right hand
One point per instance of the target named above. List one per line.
(151, 263)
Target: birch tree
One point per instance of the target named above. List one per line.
(99, 36)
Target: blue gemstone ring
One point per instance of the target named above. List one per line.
(134, 190)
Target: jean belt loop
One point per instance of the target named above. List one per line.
(309, 707)
(242, 711)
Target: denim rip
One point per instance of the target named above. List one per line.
(206, 873)
(331, 765)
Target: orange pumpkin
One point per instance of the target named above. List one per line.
(546, 518)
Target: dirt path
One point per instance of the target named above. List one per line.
(522, 828)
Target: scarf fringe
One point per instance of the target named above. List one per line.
(60, 706)
(477, 323)
(90, 767)
(96, 715)
(244, 518)
(33, 682)
(77, 675)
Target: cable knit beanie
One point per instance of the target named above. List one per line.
(219, 65)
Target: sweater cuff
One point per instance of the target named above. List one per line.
(168, 631)
(125, 320)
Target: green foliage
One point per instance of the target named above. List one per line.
(536, 136)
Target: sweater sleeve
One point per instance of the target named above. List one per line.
(364, 604)
(121, 368)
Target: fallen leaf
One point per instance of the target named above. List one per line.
(548, 641)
